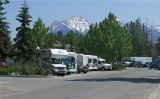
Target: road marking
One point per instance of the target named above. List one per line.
(155, 95)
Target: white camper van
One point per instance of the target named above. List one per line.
(95, 62)
(51, 59)
(103, 65)
(88, 60)
(92, 62)
(83, 59)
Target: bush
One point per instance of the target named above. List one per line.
(26, 70)
(12, 69)
(41, 71)
(33, 70)
(118, 67)
(4, 71)
(121, 67)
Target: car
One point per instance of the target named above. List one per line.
(2, 64)
(127, 64)
(137, 64)
(147, 64)
(153, 65)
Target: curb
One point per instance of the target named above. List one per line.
(26, 76)
(155, 93)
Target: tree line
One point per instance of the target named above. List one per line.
(106, 39)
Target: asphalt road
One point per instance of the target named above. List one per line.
(137, 83)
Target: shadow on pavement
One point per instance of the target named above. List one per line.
(132, 80)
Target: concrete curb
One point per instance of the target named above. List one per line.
(155, 94)
(27, 76)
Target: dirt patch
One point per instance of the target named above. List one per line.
(5, 90)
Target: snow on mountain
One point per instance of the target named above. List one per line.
(121, 23)
(78, 23)
(155, 30)
(157, 27)
(75, 23)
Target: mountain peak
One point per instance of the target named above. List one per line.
(75, 23)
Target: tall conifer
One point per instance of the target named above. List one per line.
(24, 48)
(5, 43)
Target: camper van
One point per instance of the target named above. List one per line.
(88, 60)
(71, 62)
(52, 59)
(95, 62)
(82, 61)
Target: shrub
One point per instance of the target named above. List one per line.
(4, 71)
(12, 69)
(122, 67)
(118, 67)
(26, 70)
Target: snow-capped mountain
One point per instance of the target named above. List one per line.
(75, 23)
(155, 30)
(78, 23)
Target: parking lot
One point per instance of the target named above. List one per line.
(135, 83)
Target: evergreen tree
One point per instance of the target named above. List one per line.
(41, 34)
(142, 44)
(49, 42)
(71, 40)
(158, 47)
(59, 36)
(24, 47)
(5, 43)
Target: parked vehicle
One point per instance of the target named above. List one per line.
(127, 63)
(2, 64)
(147, 64)
(71, 62)
(103, 65)
(137, 64)
(159, 67)
(92, 62)
(81, 68)
(51, 61)
(95, 62)
(85, 60)
(142, 59)
(153, 65)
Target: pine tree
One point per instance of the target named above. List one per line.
(24, 47)
(158, 47)
(71, 40)
(142, 44)
(59, 36)
(5, 43)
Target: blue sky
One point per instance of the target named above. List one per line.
(91, 10)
